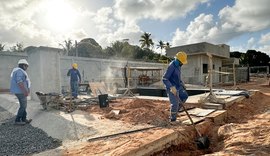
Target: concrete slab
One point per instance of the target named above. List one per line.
(67, 127)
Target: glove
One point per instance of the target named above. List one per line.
(173, 90)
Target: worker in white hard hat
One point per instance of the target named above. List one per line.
(175, 87)
(75, 79)
(20, 86)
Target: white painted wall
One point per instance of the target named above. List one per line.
(8, 61)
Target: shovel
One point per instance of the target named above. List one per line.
(202, 142)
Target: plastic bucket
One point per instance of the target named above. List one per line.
(103, 100)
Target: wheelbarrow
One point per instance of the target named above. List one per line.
(53, 100)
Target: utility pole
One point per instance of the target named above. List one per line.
(76, 48)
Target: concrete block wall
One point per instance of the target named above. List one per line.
(44, 70)
(8, 61)
(193, 72)
(96, 70)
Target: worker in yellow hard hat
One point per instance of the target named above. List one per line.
(175, 87)
(75, 79)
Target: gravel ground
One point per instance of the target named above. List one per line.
(22, 140)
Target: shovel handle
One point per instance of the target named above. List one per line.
(179, 100)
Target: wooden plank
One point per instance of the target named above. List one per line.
(210, 105)
(194, 119)
(218, 117)
(200, 112)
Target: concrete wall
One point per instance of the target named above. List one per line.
(48, 68)
(44, 67)
(193, 71)
(8, 61)
(108, 70)
(197, 57)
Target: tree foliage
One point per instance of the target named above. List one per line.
(68, 47)
(146, 41)
(17, 48)
(2, 46)
(89, 48)
(161, 45)
(251, 58)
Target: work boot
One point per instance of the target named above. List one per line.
(20, 123)
(27, 121)
(172, 119)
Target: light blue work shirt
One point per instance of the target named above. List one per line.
(17, 77)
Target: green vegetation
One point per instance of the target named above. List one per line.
(251, 58)
(88, 47)
(2, 47)
(17, 48)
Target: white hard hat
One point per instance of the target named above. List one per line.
(23, 61)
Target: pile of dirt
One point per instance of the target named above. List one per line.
(246, 129)
(136, 111)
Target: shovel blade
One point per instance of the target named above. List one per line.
(202, 142)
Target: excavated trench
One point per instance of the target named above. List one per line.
(245, 131)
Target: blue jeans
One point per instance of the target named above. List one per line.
(21, 115)
(176, 103)
(74, 85)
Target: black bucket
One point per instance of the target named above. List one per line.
(103, 100)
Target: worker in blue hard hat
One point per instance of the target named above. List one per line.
(175, 87)
(75, 79)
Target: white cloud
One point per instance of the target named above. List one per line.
(251, 43)
(265, 39)
(202, 28)
(244, 16)
(247, 15)
(154, 9)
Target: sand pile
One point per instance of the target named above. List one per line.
(136, 111)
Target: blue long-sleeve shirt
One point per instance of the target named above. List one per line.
(172, 76)
(74, 75)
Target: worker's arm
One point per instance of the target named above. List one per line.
(79, 75)
(68, 73)
(167, 76)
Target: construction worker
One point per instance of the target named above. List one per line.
(75, 79)
(20, 86)
(175, 87)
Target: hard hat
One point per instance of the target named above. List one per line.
(23, 61)
(182, 57)
(75, 65)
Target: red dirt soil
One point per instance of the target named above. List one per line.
(245, 132)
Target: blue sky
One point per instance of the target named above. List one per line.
(242, 24)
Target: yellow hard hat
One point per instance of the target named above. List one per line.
(182, 57)
(75, 65)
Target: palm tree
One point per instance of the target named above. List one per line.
(146, 41)
(67, 46)
(161, 45)
(2, 47)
